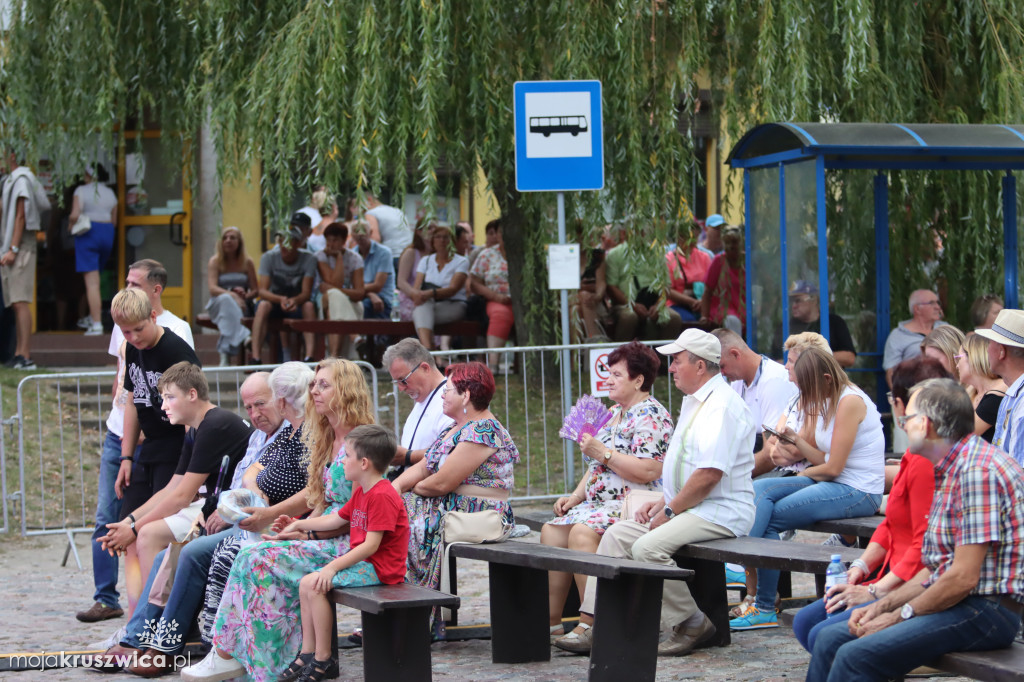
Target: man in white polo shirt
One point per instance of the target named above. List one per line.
(414, 372)
(763, 384)
(707, 486)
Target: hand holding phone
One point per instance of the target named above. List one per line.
(781, 436)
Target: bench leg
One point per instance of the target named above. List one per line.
(708, 589)
(627, 625)
(519, 614)
(396, 644)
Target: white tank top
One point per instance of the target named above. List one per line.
(865, 465)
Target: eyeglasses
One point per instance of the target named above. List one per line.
(932, 302)
(405, 380)
(902, 421)
(960, 356)
(323, 385)
(888, 396)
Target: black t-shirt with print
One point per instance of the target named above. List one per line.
(221, 432)
(143, 370)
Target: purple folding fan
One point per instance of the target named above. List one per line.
(588, 415)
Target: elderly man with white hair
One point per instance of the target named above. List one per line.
(708, 493)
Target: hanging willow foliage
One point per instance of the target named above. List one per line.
(404, 93)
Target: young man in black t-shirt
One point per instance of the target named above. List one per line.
(215, 442)
(150, 350)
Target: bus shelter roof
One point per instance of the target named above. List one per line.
(920, 146)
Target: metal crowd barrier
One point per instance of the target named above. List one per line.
(59, 429)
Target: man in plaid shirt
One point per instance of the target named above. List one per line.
(969, 595)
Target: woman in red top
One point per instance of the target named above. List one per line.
(725, 288)
(687, 267)
(895, 547)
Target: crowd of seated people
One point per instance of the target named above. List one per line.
(316, 470)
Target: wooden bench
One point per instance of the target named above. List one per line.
(863, 527)
(396, 628)
(1001, 665)
(377, 327)
(628, 601)
(707, 560)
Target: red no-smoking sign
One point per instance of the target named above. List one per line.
(599, 372)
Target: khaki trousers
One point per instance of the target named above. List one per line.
(632, 540)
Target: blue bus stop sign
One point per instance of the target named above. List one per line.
(559, 142)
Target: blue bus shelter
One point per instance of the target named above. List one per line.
(785, 195)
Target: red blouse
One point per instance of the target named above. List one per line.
(906, 517)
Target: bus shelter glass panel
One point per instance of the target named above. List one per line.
(765, 249)
(801, 300)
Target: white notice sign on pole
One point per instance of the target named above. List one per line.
(563, 266)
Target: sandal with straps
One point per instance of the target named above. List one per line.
(293, 671)
(316, 671)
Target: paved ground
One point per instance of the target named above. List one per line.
(38, 599)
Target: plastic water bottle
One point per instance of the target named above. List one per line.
(396, 314)
(835, 574)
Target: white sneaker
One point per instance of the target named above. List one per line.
(85, 322)
(95, 329)
(113, 640)
(212, 668)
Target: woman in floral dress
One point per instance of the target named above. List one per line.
(489, 279)
(626, 454)
(257, 629)
(467, 469)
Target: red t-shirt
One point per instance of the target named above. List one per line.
(380, 510)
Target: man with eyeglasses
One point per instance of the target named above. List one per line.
(414, 372)
(969, 595)
(904, 341)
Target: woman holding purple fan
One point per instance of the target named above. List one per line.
(625, 455)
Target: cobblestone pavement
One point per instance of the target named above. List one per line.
(38, 600)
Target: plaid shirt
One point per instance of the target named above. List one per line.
(978, 489)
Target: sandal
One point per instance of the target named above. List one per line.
(295, 669)
(316, 670)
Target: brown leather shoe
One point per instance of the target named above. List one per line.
(685, 639)
(98, 612)
(152, 663)
(114, 659)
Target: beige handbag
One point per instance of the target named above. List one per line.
(636, 499)
(164, 579)
(473, 527)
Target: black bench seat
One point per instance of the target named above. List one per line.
(1001, 665)
(628, 604)
(396, 628)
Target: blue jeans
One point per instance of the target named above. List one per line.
(793, 501)
(168, 626)
(108, 507)
(813, 618)
(686, 313)
(974, 624)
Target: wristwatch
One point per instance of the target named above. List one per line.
(907, 612)
(669, 512)
(14, 249)
(608, 455)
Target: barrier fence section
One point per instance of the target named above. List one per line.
(60, 425)
(528, 402)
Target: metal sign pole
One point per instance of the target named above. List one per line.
(567, 446)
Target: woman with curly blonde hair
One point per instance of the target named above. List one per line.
(264, 583)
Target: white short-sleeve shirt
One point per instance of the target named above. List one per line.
(715, 430)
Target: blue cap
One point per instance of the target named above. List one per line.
(714, 220)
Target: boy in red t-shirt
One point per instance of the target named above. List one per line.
(378, 537)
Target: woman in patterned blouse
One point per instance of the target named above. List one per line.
(467, 469)
(626, 454)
